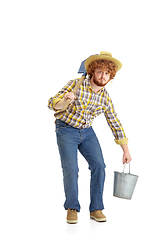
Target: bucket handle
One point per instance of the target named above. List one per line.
(124, 168)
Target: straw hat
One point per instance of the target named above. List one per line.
(103, 56)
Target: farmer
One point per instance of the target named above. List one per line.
(74, 132)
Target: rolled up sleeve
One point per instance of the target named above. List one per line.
(115, 125)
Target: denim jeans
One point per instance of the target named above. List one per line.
(69, 141)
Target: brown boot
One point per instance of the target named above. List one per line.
(98, 216)
(72, 216)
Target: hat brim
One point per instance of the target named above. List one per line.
(102, 57)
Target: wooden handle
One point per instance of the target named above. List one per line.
(78, 84)
(63, 110)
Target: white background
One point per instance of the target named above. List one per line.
(42, 44)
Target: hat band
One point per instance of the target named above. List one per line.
(105, 55)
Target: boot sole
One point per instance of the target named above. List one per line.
(72, 221)
(99, 219)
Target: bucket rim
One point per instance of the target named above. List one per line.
(126, 173)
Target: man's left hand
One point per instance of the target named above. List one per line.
(126, 157)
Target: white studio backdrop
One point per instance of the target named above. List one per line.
(42, 44)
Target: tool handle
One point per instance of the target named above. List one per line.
(63, 110)
(78, 84)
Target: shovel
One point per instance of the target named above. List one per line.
(81, 70)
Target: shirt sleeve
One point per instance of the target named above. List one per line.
(60, 95)
(115, 125)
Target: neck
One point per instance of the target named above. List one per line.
(94, 87)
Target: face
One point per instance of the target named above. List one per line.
(101, 77)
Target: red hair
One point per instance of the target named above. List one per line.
(106, 65)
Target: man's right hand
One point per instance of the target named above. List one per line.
(61, 103)
(69, 95)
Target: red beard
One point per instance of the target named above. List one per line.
(99, 83)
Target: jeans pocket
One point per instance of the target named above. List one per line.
(60, 124)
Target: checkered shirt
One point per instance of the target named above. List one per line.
(88, 105)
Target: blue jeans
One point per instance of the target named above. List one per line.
(69, 141)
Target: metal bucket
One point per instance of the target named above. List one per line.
(124, 184)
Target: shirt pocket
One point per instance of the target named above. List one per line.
(78, 104)
(98, 110)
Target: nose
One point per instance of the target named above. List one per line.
(102, 74)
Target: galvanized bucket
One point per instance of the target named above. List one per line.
(124, 184)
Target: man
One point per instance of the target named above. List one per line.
(74, 132)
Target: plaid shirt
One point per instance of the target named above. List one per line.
(88, 105)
